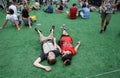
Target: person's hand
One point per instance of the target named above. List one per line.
(113, 5)
(18, 29)
(47, 68)
(78, 42)
(30, 26)
(1, 27)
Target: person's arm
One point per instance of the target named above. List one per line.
(56, 45)
(117, 3)
(38, 64)
(102, 3)
(59, 48)
(54, 41)
(4, 24)
(27, 5)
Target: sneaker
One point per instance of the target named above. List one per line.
(105, 28)
(36, 29)
(101, 31)
(64, 27)
(53, 27)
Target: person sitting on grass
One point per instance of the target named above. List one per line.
(26, 18)
(50, 50)
(67, 49)
(36, 5)
(84, 12)
(12, 18)
(49, 9)
(73, 12)
(59, 8)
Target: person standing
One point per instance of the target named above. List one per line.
(106, 13)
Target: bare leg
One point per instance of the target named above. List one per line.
(42, 37)
(51, 36)
(77, 46)
(102, 25)
(64, 32)
(107, 22)
(68, 13)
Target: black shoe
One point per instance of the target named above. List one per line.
(101, 31)
(36, 29)
(105, 28)
(53, 27)
(63, 27)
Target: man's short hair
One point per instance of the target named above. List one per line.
(74, 4)
(52, 62)
(84, 5)
(11, 11)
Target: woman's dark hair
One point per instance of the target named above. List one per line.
(11, 11)
(67, 59)
(25, 13)
(84, 5)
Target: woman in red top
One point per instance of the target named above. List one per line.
(68, 50)
(73, 12)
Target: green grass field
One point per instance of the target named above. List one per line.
(97, 57)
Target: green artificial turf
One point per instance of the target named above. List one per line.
(98, 53)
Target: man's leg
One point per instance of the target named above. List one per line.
(42, 37)
(77, 46)
(67, 12)
(51, 36)
(103, 16)
(64, 32)
(108, 17)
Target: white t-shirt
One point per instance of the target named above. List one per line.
(11, 18)
(107, 7)
(14, 8)
(47, 47)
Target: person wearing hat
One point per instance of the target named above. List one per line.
(67, 49)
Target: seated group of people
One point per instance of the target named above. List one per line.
(50, 48)
(14, 17)
(84, 12)
(59, 7)
(18, 19)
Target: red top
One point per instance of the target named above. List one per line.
(73, 12)
(67, 44)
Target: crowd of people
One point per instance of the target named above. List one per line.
(50, 48)
(21, 8)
